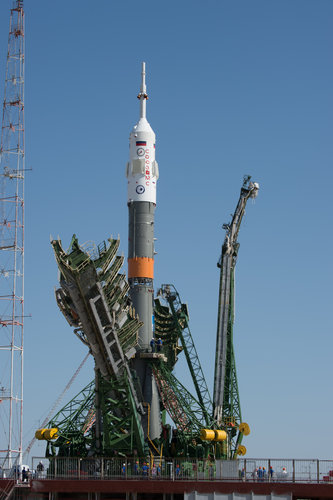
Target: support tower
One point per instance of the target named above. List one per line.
(12, 245)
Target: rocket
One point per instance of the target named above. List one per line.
(142, 175)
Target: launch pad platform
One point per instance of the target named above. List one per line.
(127, 489)
(119, 478)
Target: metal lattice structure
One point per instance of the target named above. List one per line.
(180, 313)
(185, 411)
(12, 244)
(93, 298)
(227, 409)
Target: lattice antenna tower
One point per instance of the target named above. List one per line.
(12, 245)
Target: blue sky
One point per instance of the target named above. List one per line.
(235, 87)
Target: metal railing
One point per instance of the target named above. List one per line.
(249, 469)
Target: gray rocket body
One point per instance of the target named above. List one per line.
(141, 245)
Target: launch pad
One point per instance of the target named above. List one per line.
(136, 338)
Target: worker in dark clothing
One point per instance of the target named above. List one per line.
(152, 344)
(159, 344)
(24, 475)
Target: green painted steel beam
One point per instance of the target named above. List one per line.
(227, 409)
(180, 314)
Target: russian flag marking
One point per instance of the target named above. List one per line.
(141, 143)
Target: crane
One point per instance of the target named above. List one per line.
(226, 404)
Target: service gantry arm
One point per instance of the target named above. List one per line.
(181, 316)
(93, 298)
(227, 412)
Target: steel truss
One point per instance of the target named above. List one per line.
(180, 313)
(12, 245)
(227, 409)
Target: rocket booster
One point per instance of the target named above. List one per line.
(142, 175)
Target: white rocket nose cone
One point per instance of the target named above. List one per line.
(142, 126)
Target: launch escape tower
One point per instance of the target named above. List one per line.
(12, 245)
(123, 410)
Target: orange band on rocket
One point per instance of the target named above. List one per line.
(141, 267)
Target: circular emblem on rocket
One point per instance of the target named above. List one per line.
(140, 189)
(140, 151)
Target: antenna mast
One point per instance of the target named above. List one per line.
(12, 245)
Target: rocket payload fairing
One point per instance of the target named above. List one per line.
(142, 175)
(142, 169)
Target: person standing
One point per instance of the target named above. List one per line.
(123, 470)
(144, 469)
(40, 469)
(260, 474)
(24, 475)
(159, 344)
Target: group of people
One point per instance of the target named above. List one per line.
(260, 474)
(158, 343)
(26, 473)
(145, 471)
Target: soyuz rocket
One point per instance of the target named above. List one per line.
(142, 175)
